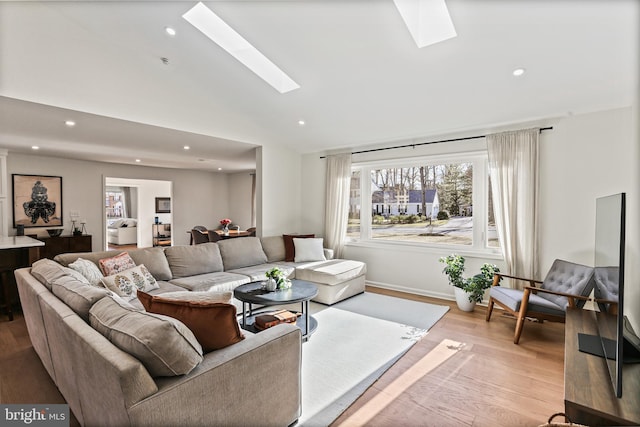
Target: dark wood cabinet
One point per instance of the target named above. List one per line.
(64, 244)
(588, 394)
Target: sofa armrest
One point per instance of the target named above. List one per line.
(237, 385)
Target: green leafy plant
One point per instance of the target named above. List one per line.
(279, 276)
(474, 286)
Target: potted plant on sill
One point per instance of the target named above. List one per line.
(471, 290)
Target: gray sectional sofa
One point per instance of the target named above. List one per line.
(74, 328)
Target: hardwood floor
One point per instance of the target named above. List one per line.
(484, 381)
(478, 378)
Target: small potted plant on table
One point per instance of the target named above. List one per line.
(277, 280)
(471, 290)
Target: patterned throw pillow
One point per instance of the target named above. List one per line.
(127, 283)
(89, 270)
(116, 264)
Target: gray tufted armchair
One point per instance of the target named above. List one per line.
(566, 285)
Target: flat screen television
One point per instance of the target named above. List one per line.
(609, 260)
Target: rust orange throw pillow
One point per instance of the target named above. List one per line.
(289, 248)
(214, 324)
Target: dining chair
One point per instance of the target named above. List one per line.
(213, 236)
(198, 237)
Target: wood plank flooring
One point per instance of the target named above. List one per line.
(480, 378)
(486, 381)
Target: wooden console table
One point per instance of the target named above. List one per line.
(64, 244)
(15, 252)
(588, 394)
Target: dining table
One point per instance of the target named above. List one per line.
(231, 234)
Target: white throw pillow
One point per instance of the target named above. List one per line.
(309, 249)
(126, 283)
(89, 270)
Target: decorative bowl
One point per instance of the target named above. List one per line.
(54, 232)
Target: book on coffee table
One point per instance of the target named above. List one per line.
(268, 320)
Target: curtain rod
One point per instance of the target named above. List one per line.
(466, 138)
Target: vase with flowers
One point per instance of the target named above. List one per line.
(277, 279)
(225, 225)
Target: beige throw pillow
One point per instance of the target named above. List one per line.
(165, 346)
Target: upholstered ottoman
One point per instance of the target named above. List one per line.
(336, 279)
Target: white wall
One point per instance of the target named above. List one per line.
(278, 182)
(582, 158)
(240, 199)
(198, 197)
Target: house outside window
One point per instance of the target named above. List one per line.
(429, 201)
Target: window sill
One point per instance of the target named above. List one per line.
(424, 248)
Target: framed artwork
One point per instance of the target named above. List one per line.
(163, 204)
(37, 200)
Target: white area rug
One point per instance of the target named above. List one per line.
(356, 341)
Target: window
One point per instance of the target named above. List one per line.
(115, 204)
(425, 201)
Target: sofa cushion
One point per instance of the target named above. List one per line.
(78, 295)
(95, 257)
(213, 323)
(46, 271)
(116, 264)
(164, 345)
(155, 261)
(89, 270)
(257, 272)
(290, 250)
(214, 296)
(127, 283)
(273, 247)
(220, 281)
(308, 250)
(331, 272)
(241, 252)
(186, 261)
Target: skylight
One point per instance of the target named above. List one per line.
(212, 26)
(428, 21)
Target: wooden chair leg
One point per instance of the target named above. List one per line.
(489, 309)
(521, 315)
(519, 326)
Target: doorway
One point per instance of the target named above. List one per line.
(130, 211)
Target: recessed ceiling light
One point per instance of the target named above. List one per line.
(212, 26)
(170, 31)
(35, 147)
(301, 122)
(428, 21)
(186, 147)
(518, 72)
(138, 160)
(70, 123)
(219, 169)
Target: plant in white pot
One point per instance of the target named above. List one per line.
(471, 290)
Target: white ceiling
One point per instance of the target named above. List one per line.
(363, 80)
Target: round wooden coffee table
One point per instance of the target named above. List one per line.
(301, 291)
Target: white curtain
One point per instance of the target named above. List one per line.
(513, 167)
(336, 214)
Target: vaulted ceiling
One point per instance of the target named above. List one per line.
(362, 78)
